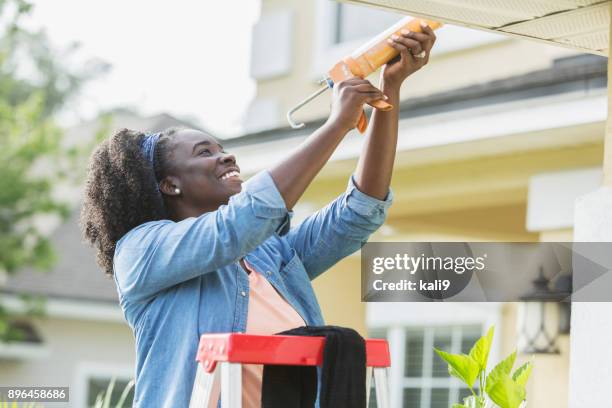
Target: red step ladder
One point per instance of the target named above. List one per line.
(231, 350)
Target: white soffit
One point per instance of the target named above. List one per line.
(578, 24)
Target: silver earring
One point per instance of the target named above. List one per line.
(177, 191)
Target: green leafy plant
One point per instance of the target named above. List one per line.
(501, 386)
(103, 400)
(17, 405)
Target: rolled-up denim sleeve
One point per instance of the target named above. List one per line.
(160, 254)
(366, 205)
(339, 229)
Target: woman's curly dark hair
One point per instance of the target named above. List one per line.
(121, 190)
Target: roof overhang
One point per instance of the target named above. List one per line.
(579, 24)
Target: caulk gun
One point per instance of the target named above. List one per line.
(361, 63)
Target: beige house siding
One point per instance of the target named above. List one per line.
(74, 348)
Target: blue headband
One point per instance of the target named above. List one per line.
(147, 147)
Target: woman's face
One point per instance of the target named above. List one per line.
(204, 173)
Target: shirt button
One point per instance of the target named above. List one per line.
(243, 293)
(269, 272)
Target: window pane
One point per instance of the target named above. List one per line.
(439, 398)
(442, 340)
(469, 336)
(412, 398)
(358, 22)
(414, 354)
(96, 386)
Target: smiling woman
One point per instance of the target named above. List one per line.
(197, 175)
(194, 250)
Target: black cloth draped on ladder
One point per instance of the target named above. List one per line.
(343, 374)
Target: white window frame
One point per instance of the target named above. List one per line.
(450, 383)
(327, 53)
(397, 318)
(270, 61)
(90, 369)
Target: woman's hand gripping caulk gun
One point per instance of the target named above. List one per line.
(371, 56)
(373, 174)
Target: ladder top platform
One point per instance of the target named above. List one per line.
(276, 349)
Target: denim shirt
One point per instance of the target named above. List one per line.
(178, 280)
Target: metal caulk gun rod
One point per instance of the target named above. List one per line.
(295, 125)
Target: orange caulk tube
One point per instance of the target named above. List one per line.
(372, 55)
(364, 61)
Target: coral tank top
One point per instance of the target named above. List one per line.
(269, 313)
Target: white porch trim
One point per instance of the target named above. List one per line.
(70, 309)
(465, 125)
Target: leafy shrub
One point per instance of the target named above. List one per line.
(501, 386)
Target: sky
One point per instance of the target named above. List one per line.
(189, 58)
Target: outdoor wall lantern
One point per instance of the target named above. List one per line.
(542, 316)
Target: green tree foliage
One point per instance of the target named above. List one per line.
(35, 84)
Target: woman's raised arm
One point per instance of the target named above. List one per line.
(373, 174)
(293, 175)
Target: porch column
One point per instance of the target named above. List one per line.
(591, 324)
